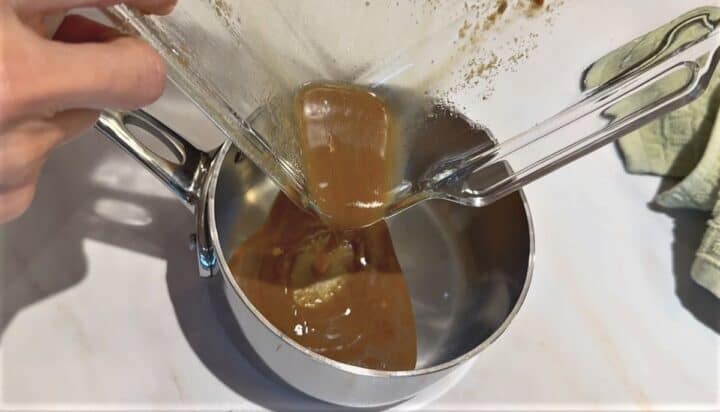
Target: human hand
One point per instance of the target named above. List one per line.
(54, 88)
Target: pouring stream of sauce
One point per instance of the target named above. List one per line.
(339, 292)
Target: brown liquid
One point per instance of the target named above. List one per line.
(340, 294)
(347, 141)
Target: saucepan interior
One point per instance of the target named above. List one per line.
(468, 271)
(467, 268)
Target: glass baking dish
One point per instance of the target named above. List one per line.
(493, 63)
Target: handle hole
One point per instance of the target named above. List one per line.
(157, 145)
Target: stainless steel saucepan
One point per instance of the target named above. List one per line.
(468, 269)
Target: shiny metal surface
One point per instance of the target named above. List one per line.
(185, 177)
(468, 271)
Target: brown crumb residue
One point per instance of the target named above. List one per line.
(482, 24)
(492, 19)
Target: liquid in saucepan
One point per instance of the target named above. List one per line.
(334, 284)
(341, 294)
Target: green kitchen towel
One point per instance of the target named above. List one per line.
(684, 144)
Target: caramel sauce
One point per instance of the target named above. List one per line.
(339, 294)
(347, 141)
(333, 283)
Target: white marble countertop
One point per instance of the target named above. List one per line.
(103, 308)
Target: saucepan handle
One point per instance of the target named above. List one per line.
(183, 177)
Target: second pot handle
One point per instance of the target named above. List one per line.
(184, 177)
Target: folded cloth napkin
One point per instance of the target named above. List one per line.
(684, 144)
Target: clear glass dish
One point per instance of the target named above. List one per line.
(489, 63)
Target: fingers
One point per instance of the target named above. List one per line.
(121, 73)
(90, 66)
(15, 201)
(44, 25)
(52, 90)
(24, 147)
(51, 6)
(79, 29)
(23, 150)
